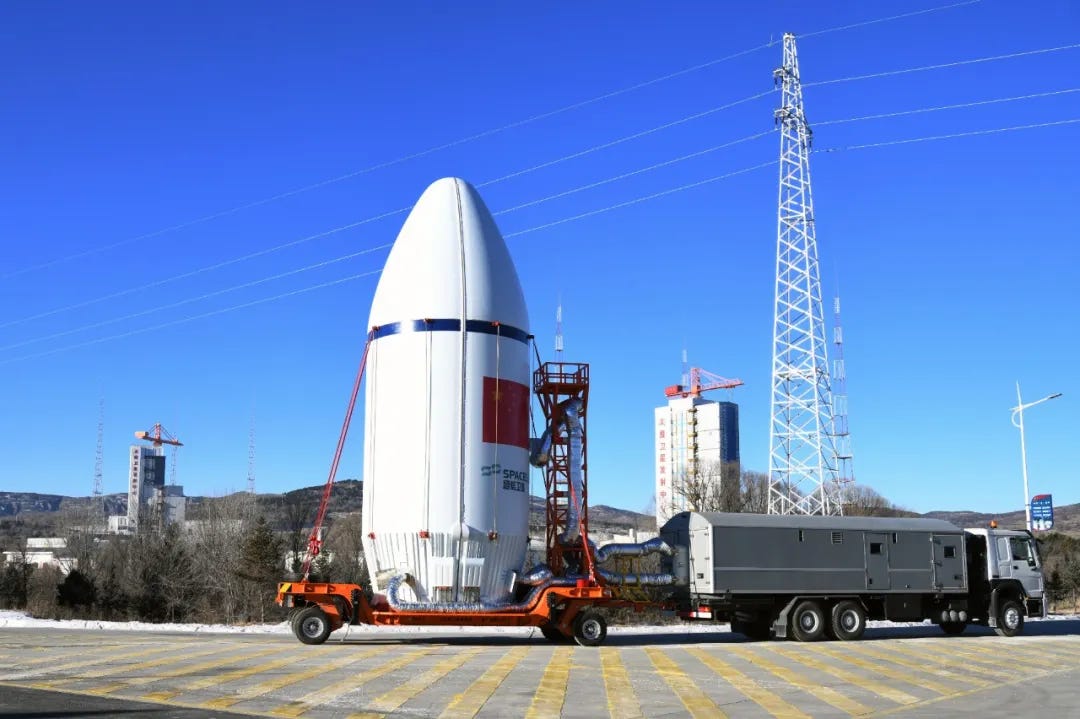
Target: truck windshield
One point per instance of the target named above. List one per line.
(1022, 550)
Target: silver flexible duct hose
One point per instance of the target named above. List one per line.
(476, 607)
(572, 422)
(653, 546)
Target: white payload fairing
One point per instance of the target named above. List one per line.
(446, 426)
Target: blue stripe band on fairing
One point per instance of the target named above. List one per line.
(447, 325)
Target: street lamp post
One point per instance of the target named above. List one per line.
(1018, 421)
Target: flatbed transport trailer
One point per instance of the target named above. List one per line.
(811, 577)
(562, 613)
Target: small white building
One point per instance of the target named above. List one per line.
(43, 552)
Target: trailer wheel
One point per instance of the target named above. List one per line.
(311, 625)
(848, 621)
(953, 628)
(1010, 618)
(590, 629)
(808, 621)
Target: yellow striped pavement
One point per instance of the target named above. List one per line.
(710, 677)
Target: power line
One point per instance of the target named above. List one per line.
(190, 300)
(462, 141)
(957, 106)
(374, 218)
(864, 23)
(534, 168)
(950, 136)
(201, 270)
(321, 285)
(351, 255)
(536, 228)
(943, 65)
(219, 265)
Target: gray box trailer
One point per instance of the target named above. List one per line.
(815, 576)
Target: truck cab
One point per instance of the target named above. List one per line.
(1006, 567)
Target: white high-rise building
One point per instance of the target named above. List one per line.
(694, 437)
(148, 495)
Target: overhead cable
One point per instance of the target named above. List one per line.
(957, 106)
(536, 228)
(941, 66)
(461, 141)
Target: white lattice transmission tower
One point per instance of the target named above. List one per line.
(802, 460)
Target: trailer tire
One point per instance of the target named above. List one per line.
(808, 621)
(1010, 618)
(311, 625)
(953, 628)
(848, 621)
(590, 629)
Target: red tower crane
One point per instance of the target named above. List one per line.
(158, 435)
(701, 381)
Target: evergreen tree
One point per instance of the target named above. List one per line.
(261, 567)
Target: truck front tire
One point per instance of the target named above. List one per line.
(1010, 618)
(808, 621)
(848, 621)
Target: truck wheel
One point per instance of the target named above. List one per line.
(848, 621)
(590, 629)
(311, 625)
(953, 628)
(1010, 618)
(808, 621)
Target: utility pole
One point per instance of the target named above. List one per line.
(803, 477)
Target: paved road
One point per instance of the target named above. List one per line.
(907, 672)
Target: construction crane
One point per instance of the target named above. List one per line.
(158, 435)
(701, 381)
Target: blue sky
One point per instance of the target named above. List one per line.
(955, 258)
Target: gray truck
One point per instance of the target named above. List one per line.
(811, 577)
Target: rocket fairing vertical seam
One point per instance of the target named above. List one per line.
(462, 390)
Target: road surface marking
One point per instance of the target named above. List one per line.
(890, 671)
(179, 672)
(921, 666)
(468, 703)
(940, 654)
(312, 700)
(696, 701)
(550, 695)
(317, 668)
(621, 701)
(405, 691)
(111, 662)
(882, 690)
(768, 700)
(218, 679)
(822, 692)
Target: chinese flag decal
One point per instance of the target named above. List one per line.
(506, 412)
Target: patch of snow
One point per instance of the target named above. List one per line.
(15, 619)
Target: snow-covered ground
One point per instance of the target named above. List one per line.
(10, 618)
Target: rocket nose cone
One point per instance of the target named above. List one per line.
(449, 261)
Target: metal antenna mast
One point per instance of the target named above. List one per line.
(841, 432)
(802, 470)
(251, 456)
(99, 459)
(558, 332)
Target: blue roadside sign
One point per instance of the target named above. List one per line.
(1042, 512)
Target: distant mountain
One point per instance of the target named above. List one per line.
(1066, 518)
(347, 498)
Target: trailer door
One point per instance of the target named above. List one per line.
(877, 561)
